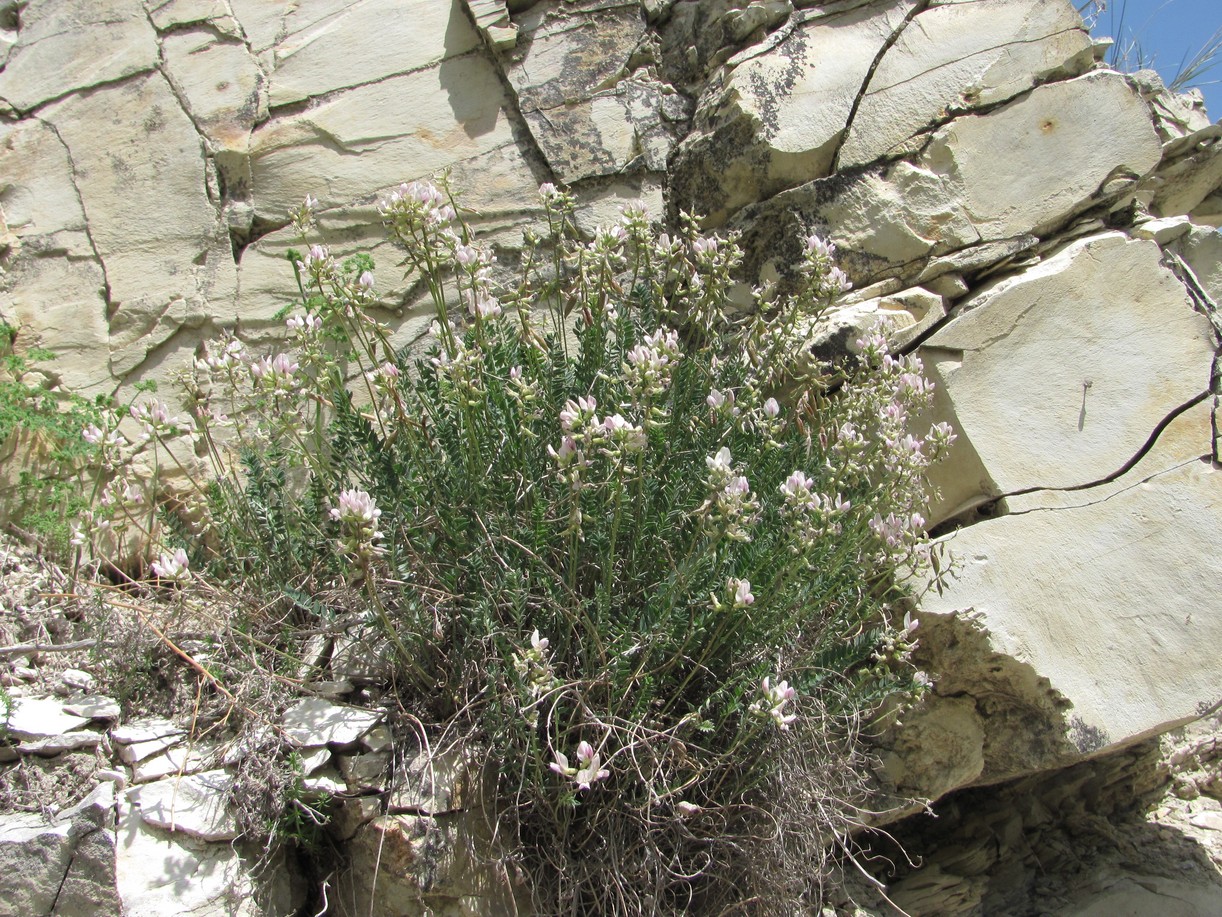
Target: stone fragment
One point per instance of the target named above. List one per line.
(35, 718)
(940, 747)
(53, 282)
(1163, 231)
(590, 112)
(778, 119)
(146, 731)
(364, 772)
(33, 860)
(355, 44)
(1210, 821)
(426, 864)
(185, 759)
(1094, 346)
(1189, 175)
(314, 722)
(617, 130)
(170, 14)
(955, 57)
(95, 706)
(55, 745)
(224, 109)
(1104, 591)
(351, 813)
(492, 19)
(377, 739)
(430, 784)
(1201, 250)
(566, 57)
(197, 805)
(325, 781)
(76, 679)
(313, 762)
(906, 315)
(88, 888)
(73, 45)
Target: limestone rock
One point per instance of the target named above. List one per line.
(158, 873)
(146, 731)
(196, 805)
(170, 14)
(433, 783)
(314, 722)
(33, 860)
(492, 19)
(65, 869)
(614, 131)
(53, 282)
(1189, 177)
(94, 706)
(75, 44)
(220, 85)
(906, 315)
(1089, 371)
(354, 44)
(1103, 591)
(165, 253)
(954, 57)
(939, 749)
(185, 759)
(362, 140)
(1034, 163)
(779, 118)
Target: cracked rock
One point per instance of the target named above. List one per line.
(356, 44)
(1107, 591)
(73, 45)
(960, 56)
(777, 119)
(1094, 346)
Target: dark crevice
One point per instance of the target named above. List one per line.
(921, 7)
(239, 239)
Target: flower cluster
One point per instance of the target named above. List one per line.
(730, 505)
(772, 703)
(650, 364)
(357, 515)
(534, 667)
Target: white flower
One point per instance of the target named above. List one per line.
(771, 408)
(721, 462)
(173, 567)
(740, 592)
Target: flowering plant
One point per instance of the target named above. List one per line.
(602, 513)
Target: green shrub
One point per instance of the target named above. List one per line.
(637, 551)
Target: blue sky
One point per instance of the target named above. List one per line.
(1168, 32)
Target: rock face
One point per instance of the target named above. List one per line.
(1040, 229)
